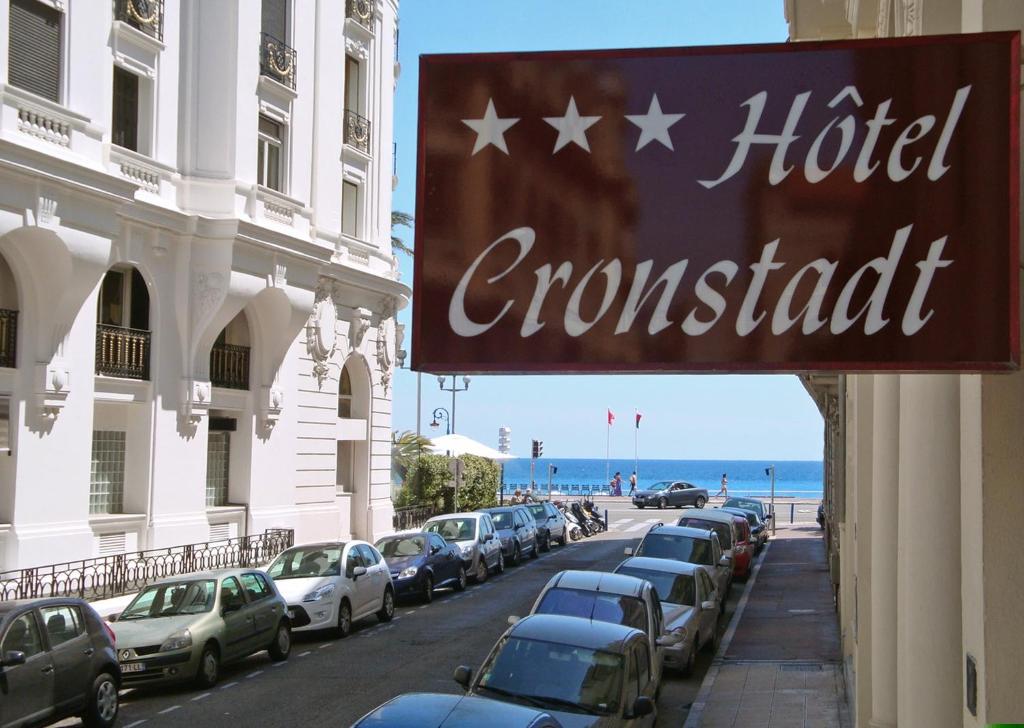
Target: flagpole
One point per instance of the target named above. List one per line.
(636, 435)
(608, 453)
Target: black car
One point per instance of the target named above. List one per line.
(671, 493)
(57, 660)
(758, 528)
(421, 562)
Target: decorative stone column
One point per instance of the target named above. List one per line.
(885, 489)
(928, 620)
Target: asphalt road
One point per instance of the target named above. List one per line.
(333, 682)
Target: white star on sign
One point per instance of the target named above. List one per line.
(490, 129)
(654, 125)
(572, 127)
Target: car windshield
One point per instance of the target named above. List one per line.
(604, 607)
(673, 588)
(502, 519)
(400, 548)
(661, 485)
(588, 681)
(745, 504)
(304, 562)
(749, 515)
(538, 511)
(453, 529)
(680, 548)
(723, 530)
(169, 600)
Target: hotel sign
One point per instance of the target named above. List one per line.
(811, 206)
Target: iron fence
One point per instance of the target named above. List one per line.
(229, 366)
(357, 131)
(360, 11)
(412, 517)
(122, 352)
(8, 338)
(111, 576)
(146, 15)
(277, 60)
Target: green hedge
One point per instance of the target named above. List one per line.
(429, 482)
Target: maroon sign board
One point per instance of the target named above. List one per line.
(809, 206)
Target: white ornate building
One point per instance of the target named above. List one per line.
(197, 288)
(923, 484)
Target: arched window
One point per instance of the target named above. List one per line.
(122, 325)
(229, 357)
(345, 394)
(8, 317)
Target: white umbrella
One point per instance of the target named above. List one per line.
(457, 445)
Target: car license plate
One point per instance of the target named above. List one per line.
(133, 667)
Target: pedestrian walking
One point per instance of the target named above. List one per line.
(725, 487)
(632, 484)
(617, 483)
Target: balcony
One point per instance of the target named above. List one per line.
(122, 352)
(145, 15)
(277, 60)
(360, 11)
(8, 338)
(229, 366)
(357, 131)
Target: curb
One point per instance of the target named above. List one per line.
(696, 713)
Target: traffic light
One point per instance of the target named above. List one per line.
(538, 449)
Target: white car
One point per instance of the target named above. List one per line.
(332, 585)
(476, 537)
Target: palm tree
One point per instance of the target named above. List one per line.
(406, 447)
(400, 218)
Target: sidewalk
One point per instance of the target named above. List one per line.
(780, 663)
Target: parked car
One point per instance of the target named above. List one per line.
(675, 493)
(614, 598)
(763, 510)
(421, 562)
(477, 539)
(758, 528)
(693, 545)
(186, 627)
(585, 673)
(690, 607)
(443, 710)
(323, 594)
(517, 531)
(725, 526)
(550, 519)
(57, 660)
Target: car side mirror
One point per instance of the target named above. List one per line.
(725, 560)
(434, 550)
(463, 675)
(358, 571)
(12, 658)
(513, 619)
(112, 617)
(552, 517)
(708, 605)
(642, 706)
(628, 551)
(488, 537)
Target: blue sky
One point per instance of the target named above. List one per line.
(685, 417)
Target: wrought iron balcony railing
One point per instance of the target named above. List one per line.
(357, 131)
(146, 15)
(111, 576)
(122, 352)
(277, 60)
(8, 338)
(360, 11)
(229, 366)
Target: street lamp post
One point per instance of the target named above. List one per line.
(454, 389)
(441, 414)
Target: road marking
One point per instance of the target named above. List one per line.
(326, 645)
(138, 722)
(303, 654)
(278, 664)
(196, 699)
(229, 685)
(622, 521)
(168, 710)
(640, 526)
(251, 675)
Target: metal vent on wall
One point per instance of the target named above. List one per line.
(220, 531)
(112, 543)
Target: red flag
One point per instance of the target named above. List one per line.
(611, 418)
(638, 416)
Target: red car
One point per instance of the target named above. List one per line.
(743, 550)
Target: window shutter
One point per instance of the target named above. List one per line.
(34, 50)
(275, 19)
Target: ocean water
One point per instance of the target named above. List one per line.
(796, 478)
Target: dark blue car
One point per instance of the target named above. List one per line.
(422, 562)
(440, 710)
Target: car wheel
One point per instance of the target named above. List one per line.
(482, 571)
(500, 568)
(387, 608)
(101, 712)
(281, 647)
(344, 626)
(460, 583)
(701, 500)
(516, 556)
(662, 503)
(716, 639)
(209, 667)
(535, 554)
(639, 506)
(428, 589)
(691, 658)
(546, 546)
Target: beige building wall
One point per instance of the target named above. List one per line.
(929, 506)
